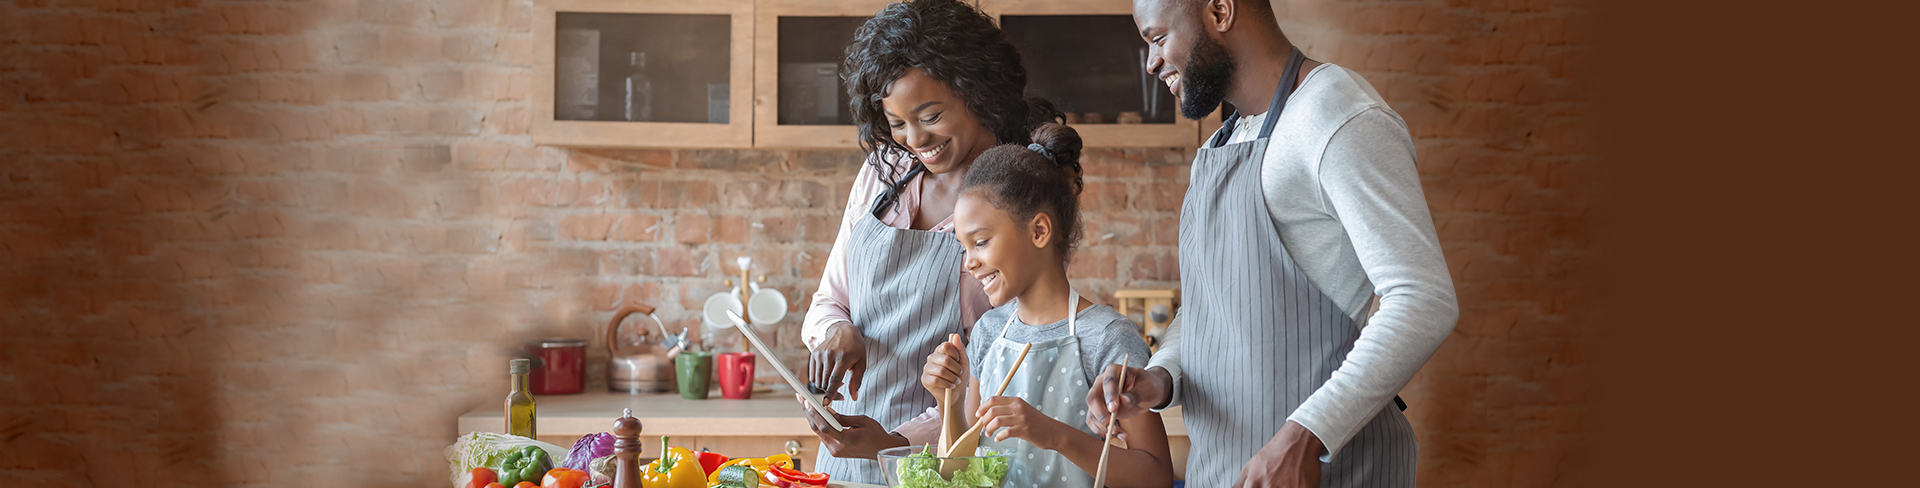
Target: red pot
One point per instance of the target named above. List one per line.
(560, 366)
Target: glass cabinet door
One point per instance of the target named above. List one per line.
(642, 73)
(1086, 56)
(799, 100)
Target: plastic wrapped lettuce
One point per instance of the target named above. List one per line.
(922, 470)
(487, 449)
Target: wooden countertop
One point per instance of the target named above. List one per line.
(767, 414)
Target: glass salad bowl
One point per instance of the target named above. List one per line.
(918, 467)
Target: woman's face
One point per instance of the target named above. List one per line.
(1004, 255)
(926, 118)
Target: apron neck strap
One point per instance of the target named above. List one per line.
(891, 195)
(1288, 77)
(1073, 313)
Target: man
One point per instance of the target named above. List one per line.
(1299, 212)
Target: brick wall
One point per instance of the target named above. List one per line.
(272, 242)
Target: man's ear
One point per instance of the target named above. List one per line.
(1042, 229)
(1219, 15)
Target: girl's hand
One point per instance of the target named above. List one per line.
(1021, 421)
(946, 366)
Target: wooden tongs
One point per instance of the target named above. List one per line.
(965, 443)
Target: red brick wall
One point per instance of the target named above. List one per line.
(280, 242)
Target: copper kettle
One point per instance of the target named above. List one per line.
(643, 367)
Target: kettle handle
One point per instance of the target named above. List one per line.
(613, 327)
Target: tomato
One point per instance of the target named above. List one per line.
(526, 484)
(482, 477)
(565, 478)
(496, 485)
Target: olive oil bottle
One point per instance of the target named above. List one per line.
(519, 401)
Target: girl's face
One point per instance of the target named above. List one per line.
(1004, 255)
(926, 118)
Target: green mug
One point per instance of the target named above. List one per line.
(695, 372)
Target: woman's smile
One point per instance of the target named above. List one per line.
(932, 156)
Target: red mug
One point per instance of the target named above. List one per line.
(734, 372)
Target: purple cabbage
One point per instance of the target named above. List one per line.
(586, 449)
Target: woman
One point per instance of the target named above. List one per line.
(934, 83)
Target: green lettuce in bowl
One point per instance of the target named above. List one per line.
(917, 467)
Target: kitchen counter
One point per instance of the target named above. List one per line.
(760, 426)
(767, 414)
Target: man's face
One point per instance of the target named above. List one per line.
(1185, 54)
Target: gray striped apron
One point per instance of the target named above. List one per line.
(1054, 381)
(904, 294)
(1258, 337)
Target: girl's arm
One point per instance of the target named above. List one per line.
(1147, 462)
(972, 403)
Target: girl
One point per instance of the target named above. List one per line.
(1018, 220)
(933, 83)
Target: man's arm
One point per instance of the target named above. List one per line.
(1168, 358)
(1369, 182)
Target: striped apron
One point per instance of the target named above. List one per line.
(1054, 381)
(904, 295)
(1258, 337)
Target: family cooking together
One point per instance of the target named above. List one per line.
(1312, 278)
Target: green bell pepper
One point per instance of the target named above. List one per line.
(525, 464)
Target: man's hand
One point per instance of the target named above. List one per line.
(1290, 460)
(842, 354)
(1145, 389)
(863, 438)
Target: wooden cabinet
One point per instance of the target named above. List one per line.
(747, 73)
(1088, 58)
(798, 101)
(625, 73)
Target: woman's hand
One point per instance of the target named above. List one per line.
(863, 438)
(946, 366)
(843, 353)
(1021, 421)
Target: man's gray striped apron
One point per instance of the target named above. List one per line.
(903, 289)
(1258, 337)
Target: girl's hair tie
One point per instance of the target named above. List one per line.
(1036, 147)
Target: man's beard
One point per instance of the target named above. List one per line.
(1206, 78)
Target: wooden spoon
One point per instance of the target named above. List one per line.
(947, 430)
(970, 440)
(1100, 473)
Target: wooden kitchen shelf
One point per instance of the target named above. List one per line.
(1087, 57)
(798, 100)
(695, 59)
(756, 73)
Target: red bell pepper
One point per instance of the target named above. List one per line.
(710, 462)
(798, 476)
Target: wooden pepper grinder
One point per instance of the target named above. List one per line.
(626, 451)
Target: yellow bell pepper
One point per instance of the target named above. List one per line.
(758, 464)
(676, 468)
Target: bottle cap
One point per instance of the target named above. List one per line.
(518, 366)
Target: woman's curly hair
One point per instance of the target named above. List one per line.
(953, 42)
